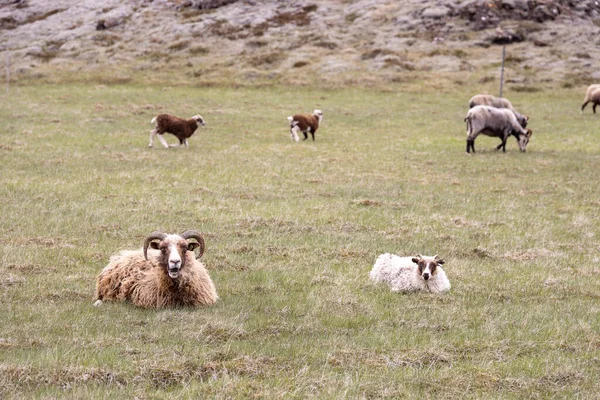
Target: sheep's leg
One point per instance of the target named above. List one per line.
(305, 135)
(470, 145)
(163, 141)
(294, 132)
(181, 141)
(153, 133)
(583, 105)
(594, 108)
(185, 142)
(502, 144)
(468, 121)
(313, 135)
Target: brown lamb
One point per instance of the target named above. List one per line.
(305, 123)
(183, 129)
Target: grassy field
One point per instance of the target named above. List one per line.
(292, 230)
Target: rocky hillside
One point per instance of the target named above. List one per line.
(549, 42)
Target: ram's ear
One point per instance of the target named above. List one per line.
(417, 258)
(193, 246)
(154, 245)
(438, 260)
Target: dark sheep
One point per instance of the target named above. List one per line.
(305, 123)
(183, 129)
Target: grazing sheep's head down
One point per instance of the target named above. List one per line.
(199, 119)
(173, 249)
(427, 265)
(523, 140)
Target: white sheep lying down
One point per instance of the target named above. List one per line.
(409, 274)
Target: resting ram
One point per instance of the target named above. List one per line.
(592, 94)
(408, 274)
(167, 275)
(495, 122)
(497, 102)
(305, 123)
(183, 129)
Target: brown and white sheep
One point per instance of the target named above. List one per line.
(497, 102)
(592, 94)
(183, 129)
(409, 274)
(305, 123)
(495, 122)
(166, 276)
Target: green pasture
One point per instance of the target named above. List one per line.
(292, 231)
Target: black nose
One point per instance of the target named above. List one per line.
(425, 276)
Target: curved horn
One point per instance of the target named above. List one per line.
(195, 235)
(153, 236)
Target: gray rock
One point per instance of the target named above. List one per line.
(435, 12)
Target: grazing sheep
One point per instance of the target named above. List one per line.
(169, 276)
(305, 123)
(592, 95)
(183, 129)
(497, 102)
(409, 274)
(495, 122)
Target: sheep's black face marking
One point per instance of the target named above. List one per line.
(426, 268)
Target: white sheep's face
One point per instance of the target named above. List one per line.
(199, 119)
(172, 253)
(524, 140)
(427, 265)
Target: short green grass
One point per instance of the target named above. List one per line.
(292, 230)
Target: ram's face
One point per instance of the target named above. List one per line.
(172, 250)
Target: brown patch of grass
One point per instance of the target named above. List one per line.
(179, 45)
(105, 39)
(8, 281)
(266, 60)
(300, 64)
(198, 50)
(33, 378)
(31, 268)
(217, 333)
(299, 18)
(530, 254)
(376, 53)
(164, 377)
(366, 202)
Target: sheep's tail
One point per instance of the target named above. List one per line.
(153, 120)
(468, 121)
